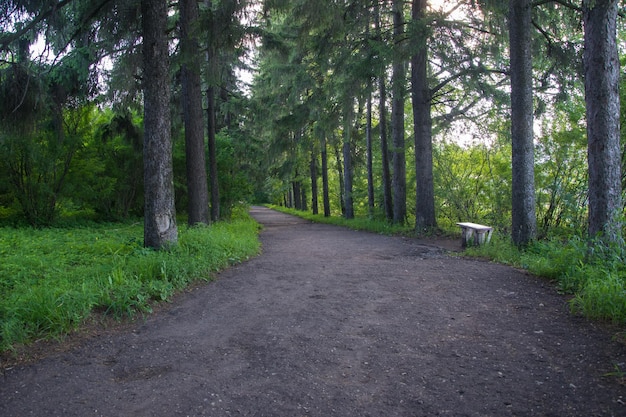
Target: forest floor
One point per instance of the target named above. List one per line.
(333, 322)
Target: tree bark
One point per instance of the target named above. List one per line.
(602, 75)
(347, 160)
(160, 228)
(313, 170)
(382, 125)
(339, 162)
(398, 86)
(370, 153)
(197, 186)
(524, 221)
(212, 77)
(325, 188)
(421, 97)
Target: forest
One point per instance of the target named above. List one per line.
(416, 114)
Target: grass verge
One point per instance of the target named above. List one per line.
(51, 280)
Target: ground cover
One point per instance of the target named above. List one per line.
(52, 280)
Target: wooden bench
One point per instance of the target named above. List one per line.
(477, 234)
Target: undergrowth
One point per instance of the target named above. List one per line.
(51, 280)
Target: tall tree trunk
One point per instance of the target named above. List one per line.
(370, 157)
(423, 125)
(212, 80)
(347, 159)
(313, 170)
(303, 203)
(297, 195)
(197, 186)
(325, 188)
(382, 125)
(524, 220)
(160, 228)
(602, 76)
(339, 162)
(398, 85)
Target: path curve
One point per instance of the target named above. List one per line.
(333, 322)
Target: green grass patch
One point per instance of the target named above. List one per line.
(51, 280)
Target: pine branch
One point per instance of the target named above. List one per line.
(7, 39)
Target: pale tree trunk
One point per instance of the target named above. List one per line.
(160, 213)
(197, 186)
(422, 121)
(524, 221)
(398, 85)
(602, 75)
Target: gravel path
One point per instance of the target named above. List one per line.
(333, 322)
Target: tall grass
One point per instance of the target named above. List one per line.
(593, 273)
(51, 280)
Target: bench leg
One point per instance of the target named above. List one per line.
(467, 236)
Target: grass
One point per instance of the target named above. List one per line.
(52, 280)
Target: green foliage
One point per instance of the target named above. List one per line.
(473, 182)
(235, 185)
(51, 280)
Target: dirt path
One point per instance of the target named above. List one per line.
(331, 322)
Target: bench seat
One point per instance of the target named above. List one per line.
(475, 233)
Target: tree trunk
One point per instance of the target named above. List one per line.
(297, 195)
(398, 84)
(303, 204)
(602, 76)
(160, 228)
(212, 77)
(424, 188)
(370, 158)
(382, 125)
(342, 200)
(197, 186)
(325, 188)
(524, 221)
(347, 160)
(313, 169)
